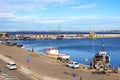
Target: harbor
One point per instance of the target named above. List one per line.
(51, 52)
(81, 47)
(59, 40)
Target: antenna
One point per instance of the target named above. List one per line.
(92, 50)
(59, 28)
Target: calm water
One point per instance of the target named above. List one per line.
(79, 49)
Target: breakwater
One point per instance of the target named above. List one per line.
(65, 36)
(59, 36)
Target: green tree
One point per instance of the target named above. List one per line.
(1, 34)
(6, 35)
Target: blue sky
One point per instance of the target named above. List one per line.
(66, 15)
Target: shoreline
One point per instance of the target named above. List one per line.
(49, 56)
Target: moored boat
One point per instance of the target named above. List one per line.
(55, 53)
(52, 51)
(101, 60)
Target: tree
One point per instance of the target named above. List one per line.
(6, 35)
(1, 34)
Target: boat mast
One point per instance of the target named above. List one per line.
(104, 59)
(59, 29)
(102, 48)
(92, 50)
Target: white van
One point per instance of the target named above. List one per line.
(11, 65)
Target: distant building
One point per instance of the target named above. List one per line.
(91, 34)
(3, 35)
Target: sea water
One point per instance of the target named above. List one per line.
(79, 49)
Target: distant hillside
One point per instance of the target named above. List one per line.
(64, 32)
(109, 31)
(118, 31)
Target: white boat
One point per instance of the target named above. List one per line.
(64, 56)
(52, 51)
(55, 52)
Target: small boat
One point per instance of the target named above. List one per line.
(52, 51)
(101, 60)
(55, 53)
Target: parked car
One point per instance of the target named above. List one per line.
(73, 65)
(11, 65)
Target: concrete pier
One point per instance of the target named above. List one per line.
(59, 36)
(70, 36)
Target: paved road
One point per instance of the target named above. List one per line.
(14, 73)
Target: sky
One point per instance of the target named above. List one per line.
(64, 15)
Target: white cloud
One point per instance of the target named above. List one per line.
(17, 8)
(91, 17)
(7, 16)
(52, 20)
(49, 21)
(84, 6)
(53, 1)
(37, 19)
(38, 1)
(29, 18)
(28, 5)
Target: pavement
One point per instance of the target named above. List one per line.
(20, 68)
(23, 69)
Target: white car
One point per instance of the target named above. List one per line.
(73, 65)
(11, 65)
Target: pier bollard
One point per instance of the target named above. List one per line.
(58, 61)
(81, 67)
(110, 70)
(49, 56)
(53, 58)
(86, 68)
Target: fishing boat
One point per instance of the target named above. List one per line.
(55, 53)
(52, 51)
(101, 60)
